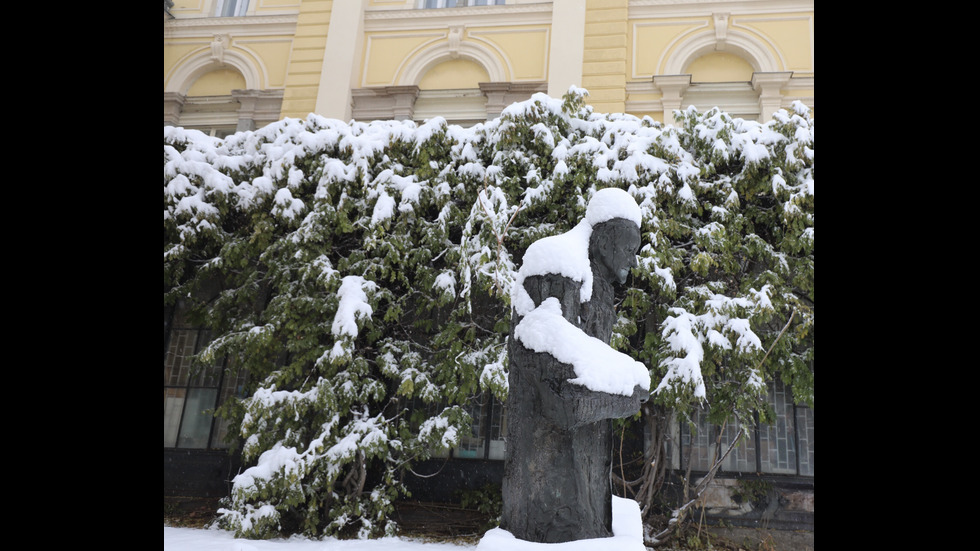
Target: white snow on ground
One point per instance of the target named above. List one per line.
(627, 536)
(197, 539)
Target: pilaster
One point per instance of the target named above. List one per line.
(257, 107)
(386, 102)
(345, 39)
(769, 86)
(567, 48)
(672, 88)
(173, 104)
(501, 94)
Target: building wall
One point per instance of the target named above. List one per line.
(747, 55)
(227, 73)
(378, 58)
(257, 46)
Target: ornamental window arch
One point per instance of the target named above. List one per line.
(754, 94)
(193, 97)
(415, 67)
(466, 102)
(449, 85)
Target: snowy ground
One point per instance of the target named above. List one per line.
(627, 536)
(197, 539)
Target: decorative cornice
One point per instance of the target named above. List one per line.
(239, 26)
(475, 11)
(799, 83)
(501, 94)
(663, 8)
(726, 2)
(384, 102)
(518, 14)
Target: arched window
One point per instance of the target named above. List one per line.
(209, 105)
(220, 102)
(451, 90)
(722, 80)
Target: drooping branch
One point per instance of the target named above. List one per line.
(681, 511)
(678, 515)
(499, 234)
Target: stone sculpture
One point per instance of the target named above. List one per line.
(566, 383)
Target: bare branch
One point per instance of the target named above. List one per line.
(699, 490)
(779, 336)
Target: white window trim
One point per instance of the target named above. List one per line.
(241, 7)
(421, 4)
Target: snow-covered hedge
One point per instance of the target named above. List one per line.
(362, 273)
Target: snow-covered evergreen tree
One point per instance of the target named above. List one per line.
(361, 273)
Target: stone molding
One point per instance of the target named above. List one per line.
(186, 71)
(385, 102)
(734, 41)
(239, 26)
(769, 86)
(672, 87)
(398, 102)
(775, 90)
(419, 63)
(173, 104)
(673, 8)
(417, 19)
(258, 107)
(501, 94)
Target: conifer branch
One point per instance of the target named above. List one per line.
(499, 235)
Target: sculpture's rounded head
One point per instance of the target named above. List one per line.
(615, 219)
(609, 203)
(612, 248)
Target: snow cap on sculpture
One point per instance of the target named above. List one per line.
(611, 203)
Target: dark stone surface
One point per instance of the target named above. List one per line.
(556, 485)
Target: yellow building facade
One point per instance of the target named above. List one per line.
(240, 64)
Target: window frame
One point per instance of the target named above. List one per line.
(238, 7)
(439, 4)
(187, 381)
(762, 440)
(490, 427)
(489, 441)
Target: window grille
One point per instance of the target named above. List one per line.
(785, 447)
(190, 395)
